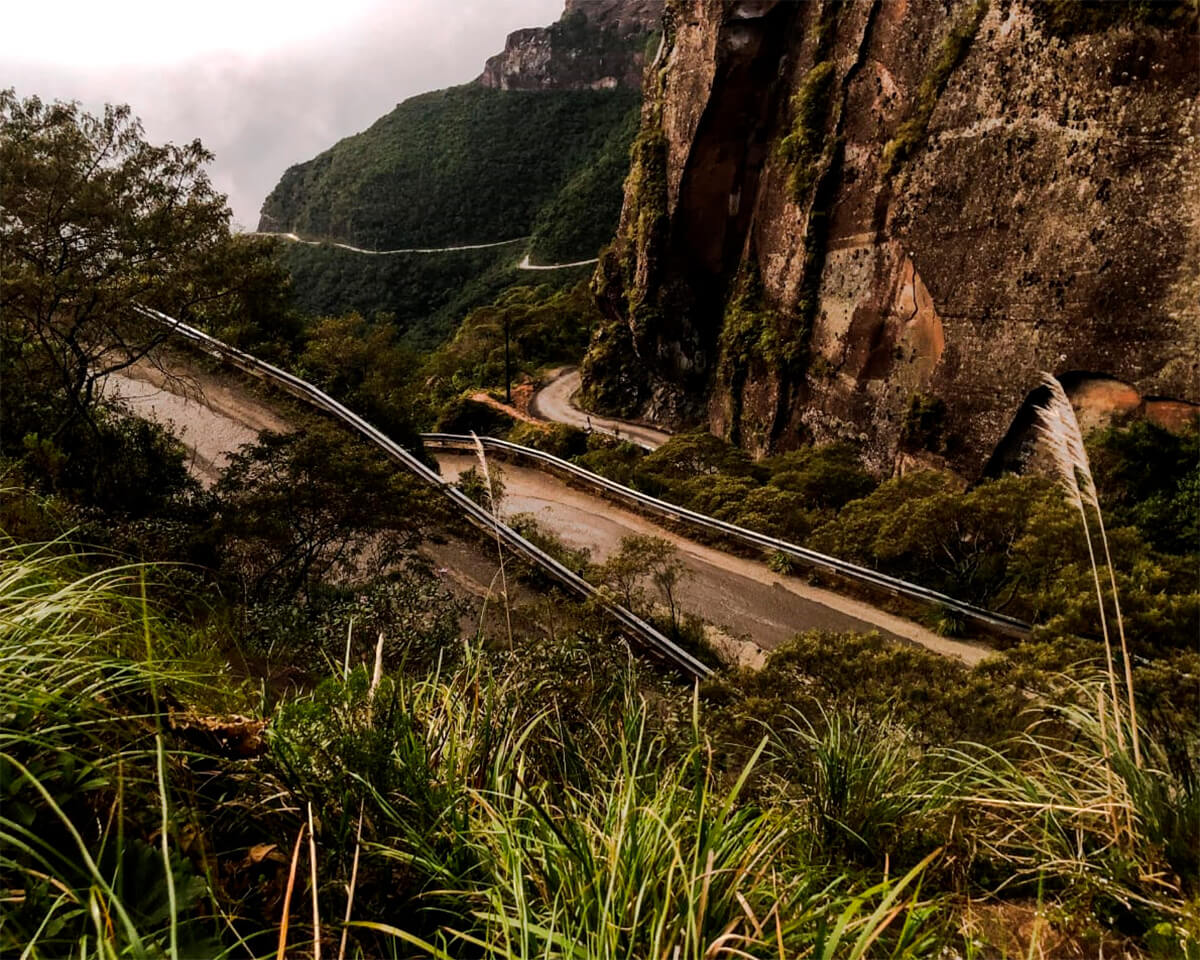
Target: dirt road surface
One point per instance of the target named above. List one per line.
(553, 402)
(210, 416)
(742, 596)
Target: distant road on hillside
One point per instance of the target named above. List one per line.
(526, 265)
(523, 265)
(554, 402)
(294, 238)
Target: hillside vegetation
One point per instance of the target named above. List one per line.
(467, 165)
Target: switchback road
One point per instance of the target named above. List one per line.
(741, 596)
(553, 402)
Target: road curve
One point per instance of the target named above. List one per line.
(210, 416)
(741, 595)
(553, 402)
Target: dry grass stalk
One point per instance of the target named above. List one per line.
(1059, 429)
(376, 677)
(1108, 771)
(495, 508)
(346, 662)
(352, 885)
(312, 863)
(281, 953)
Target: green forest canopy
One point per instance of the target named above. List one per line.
(467, 165)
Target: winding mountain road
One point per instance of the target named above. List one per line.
(524, 264)
(741, 596)
(554, 402)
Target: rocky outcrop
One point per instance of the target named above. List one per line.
(597, 44)
(880, 220)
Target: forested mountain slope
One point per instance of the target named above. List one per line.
(537, 147)
(466, 165)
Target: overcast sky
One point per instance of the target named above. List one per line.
(264, 83)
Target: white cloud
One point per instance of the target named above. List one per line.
(264, 83)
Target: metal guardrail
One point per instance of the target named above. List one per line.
(637, 628)
(992, 620)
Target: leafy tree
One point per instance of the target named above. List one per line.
(362, 364)
(717, 495)
(544, 326)
(961, 543)
(853, 533)
(97, 222)
(299, 508)
(1150, 477)
(640, 558)
(617, 460)
(690, 455)
(827, 476)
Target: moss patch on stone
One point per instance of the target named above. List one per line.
(950, 53)
(801, 149)
(924, 424)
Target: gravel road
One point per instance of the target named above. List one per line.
(211, 417)
(214, 415)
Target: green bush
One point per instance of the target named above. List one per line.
(949, 54)
(464, 415)
(1149, 478)
(560, 439)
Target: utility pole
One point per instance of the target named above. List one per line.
(507, 368)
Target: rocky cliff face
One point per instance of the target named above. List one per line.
(597, 44)
(880, 220)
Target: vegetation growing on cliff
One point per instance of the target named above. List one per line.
(582, 216)
(924, 424)
(949, 54)
(424, 294)
(1066, 18)
(803, 145)
(611, 381)
(463, 166)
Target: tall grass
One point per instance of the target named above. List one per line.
(639, 852)
(84, 772)
(1067, 803)
(478, 810)
(1060, 432)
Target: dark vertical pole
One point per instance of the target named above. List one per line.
(507, 369)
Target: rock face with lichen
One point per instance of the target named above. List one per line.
(880, 220)
(597, 44)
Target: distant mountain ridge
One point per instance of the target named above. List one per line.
(537, 146)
